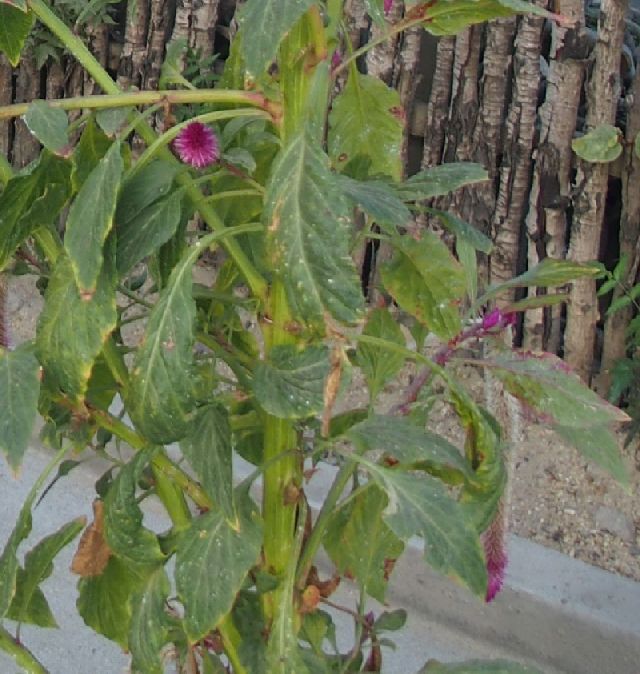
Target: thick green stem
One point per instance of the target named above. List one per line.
(171, 496)
(20, 655)
(254, 279)
(137, 98)
(312, 545)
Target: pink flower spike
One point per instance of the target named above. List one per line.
(495, 554)
(510, 318)
(336, 59)
(492, 319)
(388, 4)
(197, 145)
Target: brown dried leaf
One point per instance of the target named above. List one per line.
(93, 552)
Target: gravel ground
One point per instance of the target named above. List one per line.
(558, 499)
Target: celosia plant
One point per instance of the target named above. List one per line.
(278, 166)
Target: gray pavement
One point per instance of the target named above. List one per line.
(556, 613)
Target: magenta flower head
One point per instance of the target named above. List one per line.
(197, 145)
(336, 59)
(388, 4)
(492, 319)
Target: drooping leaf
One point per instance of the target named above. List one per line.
(212, 562)
(366, 121)
(376, 198)
(148, 632)
(427, 282)
(308, 235)
(15, 26)
(290, 384)
(19, 389)
(420, 505)
(437, 181)
(391, 621)
(444, 17)
(560, 399)
(29, 604)
(375, 9)
(30, 200)
(9, 560)
(548, 274)
(463, 230)
(208, 450)
(123, 528)
(379, 365)
(72, 330)
(259, 44)
(160, 389)
(91, 148)
(600, 145)
(104, 601)
(537, 301)
(91, 218)
(360, 543)
(49, 125)
(401, 439)
(34, 612)
(143, 234)
(478, 667)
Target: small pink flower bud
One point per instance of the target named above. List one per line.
(492, 319)
(388, 4)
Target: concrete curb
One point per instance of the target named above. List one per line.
(556, 613)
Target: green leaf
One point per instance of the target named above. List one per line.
(208, 450)
(104, 601)
(375, 9)
(379, 365)
(15, 26)
(161, 389)
(19, 390)
(290, 385)
(111, 120)
(34, 612)
(150, 183)
(437, 181)
(409, 444)
(30, 200)
(544, 384)
(123, 527)
(212, 561)
(537, 301)
(91, 218)
(468, 258)
(427, 282)
(547, 274)
(29, 604)
(91, 148)
(391, 621)
(478, 667)
(376, 198)
(259, 45)
(420, 505)
(600, 145)
(142, 235)
(360, 543)
(49, 125)
(72, 330)
(366, 121)
(445, 17)
(308, 235)
(463, 230)
(148, 632)
(9, 560)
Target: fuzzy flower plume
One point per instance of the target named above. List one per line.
(496, 319)
(495, 553)
(197, 145)
(388, 4)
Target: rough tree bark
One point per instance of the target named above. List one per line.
(6, 98)
(25, 146)
(591, 189)
(614, 332)
(551, 185)
(515, 172)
